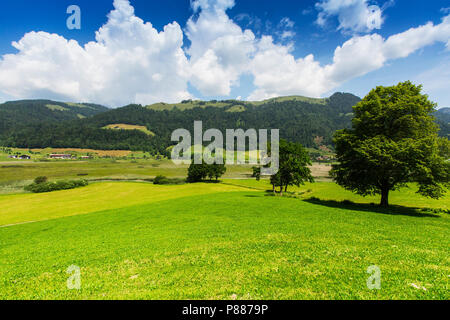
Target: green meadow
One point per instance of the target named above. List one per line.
(17, 173)
(231, 240)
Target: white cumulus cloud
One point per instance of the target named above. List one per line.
(355, 16)
(220, 50)
(130, 61)
(278, 73)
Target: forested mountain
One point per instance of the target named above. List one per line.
(299, 119)
(443, 119)
(31, 112)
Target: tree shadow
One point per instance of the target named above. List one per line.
(363, 207)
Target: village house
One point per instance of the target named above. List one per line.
(21, 157)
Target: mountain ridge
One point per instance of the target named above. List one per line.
(300, 119)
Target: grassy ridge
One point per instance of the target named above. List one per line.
(209, 247)
(191, 104)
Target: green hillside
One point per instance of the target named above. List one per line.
(443, 119)
(32, 112)
(299, 119)
(43, 123)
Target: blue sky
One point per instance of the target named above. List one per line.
(219, 49)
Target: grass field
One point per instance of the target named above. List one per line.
(22, 208)
(16, 172)
(327, 191)
(215, 241)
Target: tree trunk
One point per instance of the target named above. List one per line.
(285, 189)
(384, 197)
(281, 190)
(273, 188)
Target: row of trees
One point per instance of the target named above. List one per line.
(201, 172)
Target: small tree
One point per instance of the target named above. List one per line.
(216, 170)
(275, 181)
(393, 141)
(256, 173)
(197, 173)
(294, 162)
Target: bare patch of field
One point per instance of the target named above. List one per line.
(56, 107)
(122, 126)
(321, 172)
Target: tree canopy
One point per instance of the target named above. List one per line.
(294, 161)
(200, 172)
(393, 141)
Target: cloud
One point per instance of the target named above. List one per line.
(220, 50)
(278, 73)
(130, 61)
(354, 16)
(212, 5)
(445, 10)
(286, 22)
(286, 29)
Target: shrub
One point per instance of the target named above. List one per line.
(161, 180)
(40, 180)
(55, 186)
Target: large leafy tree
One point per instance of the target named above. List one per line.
(393, 141)
(294, 162)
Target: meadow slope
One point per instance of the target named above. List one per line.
(218, 245)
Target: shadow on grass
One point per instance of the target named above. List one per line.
(391, 210)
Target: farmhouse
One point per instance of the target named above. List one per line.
(60, 156)
(20, 157)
